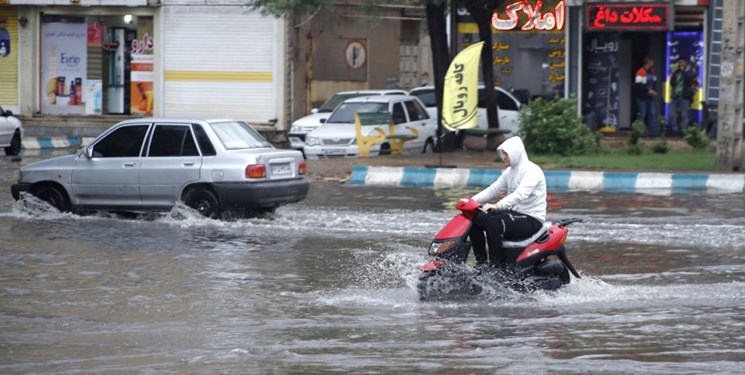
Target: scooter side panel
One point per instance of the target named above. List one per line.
(457, 227)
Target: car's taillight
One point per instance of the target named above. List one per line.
(256, 171)
(302, 168)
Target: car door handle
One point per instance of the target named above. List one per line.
(129, 163)
(188, 163)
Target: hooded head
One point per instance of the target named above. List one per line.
(515, 149)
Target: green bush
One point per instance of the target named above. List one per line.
(695, 137)
(553, 127)
(660, 147)
(637, 130)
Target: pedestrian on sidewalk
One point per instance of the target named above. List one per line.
(645, 93)
(683, 84)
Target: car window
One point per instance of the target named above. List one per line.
(172, 140)
(398, 114)
(416, 111)
(333, 102)
(237, 135)
(204, 141)
(426, 96)
(125, 141)
(505, 102)
(344, 114)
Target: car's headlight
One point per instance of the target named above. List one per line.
(295, 129)
(312, 141)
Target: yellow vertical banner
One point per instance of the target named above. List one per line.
(9, 56)
(460, 92)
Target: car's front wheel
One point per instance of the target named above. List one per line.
(55, 196)
(15, 145)
(205, 202)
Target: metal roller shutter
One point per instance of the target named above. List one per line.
(220, 61)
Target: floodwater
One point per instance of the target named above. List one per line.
(328, 286)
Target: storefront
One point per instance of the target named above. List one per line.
(529, 46)
(81, 58)
(615, 38)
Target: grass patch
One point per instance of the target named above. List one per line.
(685, 160)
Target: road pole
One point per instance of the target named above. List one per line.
(732, 90)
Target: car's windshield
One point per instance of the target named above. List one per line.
(334, 101)
(236, 135)
(345, 112)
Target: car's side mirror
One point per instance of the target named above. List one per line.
(314, 111)
(88, 152)
(8, 113)
(322, 121)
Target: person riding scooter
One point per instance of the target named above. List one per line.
(519, 214)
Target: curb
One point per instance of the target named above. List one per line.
(654, 183)
(38, 143)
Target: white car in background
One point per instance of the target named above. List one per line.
(507, 107)
(302, 126)
(11, 132)
(338, 136)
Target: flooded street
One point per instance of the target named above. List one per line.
(329, 286)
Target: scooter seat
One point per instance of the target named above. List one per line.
(525, 242)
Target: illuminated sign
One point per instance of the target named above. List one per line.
(627, 17)
(533, 17)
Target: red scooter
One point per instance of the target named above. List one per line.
(538, 262)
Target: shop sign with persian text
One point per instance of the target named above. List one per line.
(627, 16)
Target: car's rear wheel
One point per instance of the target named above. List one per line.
(15, 145)
(205, 202)
(55, 196)
(385, 149)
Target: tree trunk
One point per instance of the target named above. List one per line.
(437, 26)
(481, 12)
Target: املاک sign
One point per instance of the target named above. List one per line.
(627, 16)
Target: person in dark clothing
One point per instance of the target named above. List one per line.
(645, 93)
(682, 85)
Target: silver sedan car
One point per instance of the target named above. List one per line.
(222, 168)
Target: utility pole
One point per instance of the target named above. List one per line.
(730, 121)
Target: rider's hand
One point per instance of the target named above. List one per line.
(488, 207)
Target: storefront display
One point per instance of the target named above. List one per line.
(64, 64)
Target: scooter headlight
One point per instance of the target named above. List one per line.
(439, 248)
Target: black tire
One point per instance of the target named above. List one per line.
(385, 149)
(205, 202)
(55, 196)
(15, 145)
(429, 146)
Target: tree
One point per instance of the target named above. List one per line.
(437, 28)
(481, 11)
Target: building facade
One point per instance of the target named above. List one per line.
(87, 59)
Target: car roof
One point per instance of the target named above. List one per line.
(379, 92)
(378, 98)
(178, 120)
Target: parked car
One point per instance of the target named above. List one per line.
(221, 168)
(338, 137)
(11, 132)
(507, 107)
(302, 126)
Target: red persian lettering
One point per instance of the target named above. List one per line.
(536, 19)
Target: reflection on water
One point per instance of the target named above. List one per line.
(329, 285)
